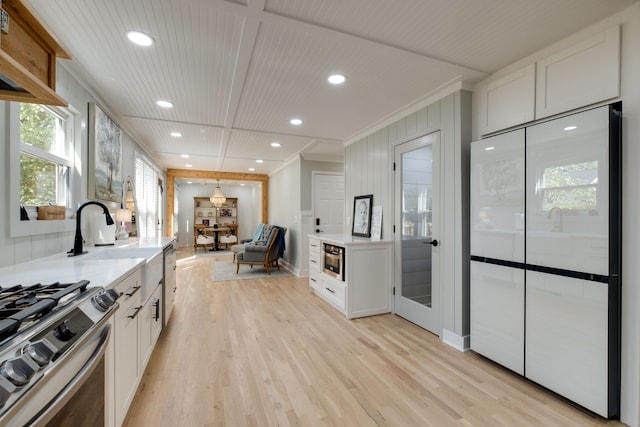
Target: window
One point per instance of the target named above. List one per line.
(573, 187)
(45, 156)
(43, 163)
(147, 199)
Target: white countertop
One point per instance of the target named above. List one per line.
(346, 239)
(102, 266)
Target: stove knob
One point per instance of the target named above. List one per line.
(39, 351)
(105, 299)
(19, 371)
(62, 332)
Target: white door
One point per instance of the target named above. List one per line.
(417, 220)
(328, 203)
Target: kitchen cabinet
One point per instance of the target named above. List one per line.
(28, 55)
(169, 282)
(150, 326)
(366, 289)
(126, 371)
(583, 74)
(508, 101)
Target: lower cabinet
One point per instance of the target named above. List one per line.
(150, 326)
(366, 290)
(125, 367)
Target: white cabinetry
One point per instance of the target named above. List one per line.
(583, 74)
(126, 344)
(169, 285)
(508, 101)
(580, 75)
(366, 288)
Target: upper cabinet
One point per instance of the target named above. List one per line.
(583, 74)
(28, 55)
(508, 101)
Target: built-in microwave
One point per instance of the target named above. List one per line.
(333, 261)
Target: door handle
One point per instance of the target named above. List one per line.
(434, 242)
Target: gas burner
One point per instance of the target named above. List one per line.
(20, 306)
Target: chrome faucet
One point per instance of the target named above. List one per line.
(77, 243)
(556, 214)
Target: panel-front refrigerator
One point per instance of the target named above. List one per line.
(565, 290)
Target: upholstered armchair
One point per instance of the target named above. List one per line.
(264, 252)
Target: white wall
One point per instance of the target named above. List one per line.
(249, 204)
(369, 170)
(630, 89)
(21, 249)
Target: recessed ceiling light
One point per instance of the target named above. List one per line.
(242, 184)
(259, 161)
(295, 122)
(184, 156)
(164, 104)
(489, 148)
(189, 182)
(139, 38)
(176, 134)
(188, 165)
(275, 144)
(336, 79)
(252, 169)
(571, 128)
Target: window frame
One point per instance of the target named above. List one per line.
(18, 228)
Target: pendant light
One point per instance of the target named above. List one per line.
(217, 199)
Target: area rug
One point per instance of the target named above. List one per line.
(226, 270)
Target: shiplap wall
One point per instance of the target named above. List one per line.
(369, 170)
(22, 249)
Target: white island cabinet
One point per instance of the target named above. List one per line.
(366, 288)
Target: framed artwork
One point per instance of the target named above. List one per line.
(362, 216)
(376, 222)
(205, 222)
(105, 156)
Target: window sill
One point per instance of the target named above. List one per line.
(32, 228)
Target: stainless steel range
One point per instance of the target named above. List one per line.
(52, 340)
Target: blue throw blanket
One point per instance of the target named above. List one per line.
(280, 240)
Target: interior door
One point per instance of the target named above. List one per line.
(417, 195)
(328, 203)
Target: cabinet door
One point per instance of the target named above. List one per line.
(170, 285)
(126, 360)
(497, 197)
(566, 343)
(508, 101)
(497, 314)
(583, 74)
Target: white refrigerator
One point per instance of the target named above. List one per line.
(545, 254)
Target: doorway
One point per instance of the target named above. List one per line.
(328, 203)
(417, 204)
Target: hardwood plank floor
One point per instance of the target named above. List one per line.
(267, 352)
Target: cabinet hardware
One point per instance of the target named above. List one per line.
(331, 290)
(135, 313)
(135, 289)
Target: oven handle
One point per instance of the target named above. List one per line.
(78, 381)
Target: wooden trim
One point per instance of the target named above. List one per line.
(172, 174)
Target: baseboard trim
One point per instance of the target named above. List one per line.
(460, 343)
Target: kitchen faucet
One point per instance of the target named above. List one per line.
(77, 244)
(556, 213)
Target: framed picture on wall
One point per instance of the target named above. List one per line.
(362, 216)
(105, 156)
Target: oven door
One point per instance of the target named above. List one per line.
(72, 390)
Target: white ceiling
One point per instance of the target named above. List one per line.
(237, 71)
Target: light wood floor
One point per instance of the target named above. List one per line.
(267, 352)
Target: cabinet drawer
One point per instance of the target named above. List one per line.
(129, 290)
(333, 291)
(315, 262)
(314, 245)
(314, 280)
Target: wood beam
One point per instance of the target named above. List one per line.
(172, 174)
